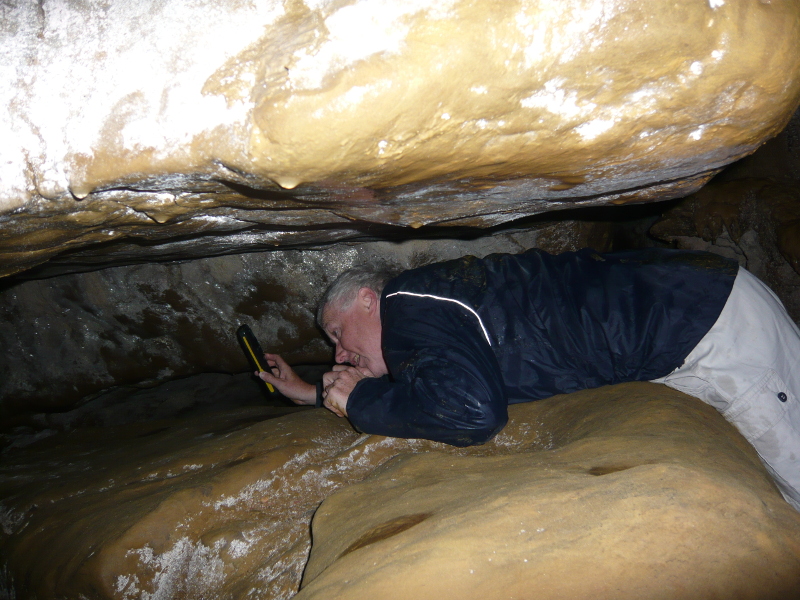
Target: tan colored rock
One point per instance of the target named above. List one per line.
(214, 507)
(631, 491)
(188, 129)
(626, 492)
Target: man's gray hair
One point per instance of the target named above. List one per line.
(341, 293)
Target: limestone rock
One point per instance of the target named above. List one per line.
(212, 507)
(631, 491)
(176, 129)
(70, 336)
(626, 492)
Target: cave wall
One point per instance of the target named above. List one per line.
(67, 337)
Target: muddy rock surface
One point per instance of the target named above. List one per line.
(176, 129)
(631, 491)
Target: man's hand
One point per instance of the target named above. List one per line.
(339, 383)
(287, 381)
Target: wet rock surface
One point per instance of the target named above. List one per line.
(70, 336)
(176, 130)
(630, 491)
(210, 128)
(197, 507)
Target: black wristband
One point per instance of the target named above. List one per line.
(319, 394)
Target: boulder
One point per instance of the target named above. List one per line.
(630, 491)
(626, 492)
(169, 130)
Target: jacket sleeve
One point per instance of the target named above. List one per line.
(446, 383)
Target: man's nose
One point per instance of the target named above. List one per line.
(342, 355)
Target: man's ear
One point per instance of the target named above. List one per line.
(368, 299)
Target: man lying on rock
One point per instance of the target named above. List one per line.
(439, 352)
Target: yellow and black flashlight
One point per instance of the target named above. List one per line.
(252, 349)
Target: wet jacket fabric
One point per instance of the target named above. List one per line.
(463, 339)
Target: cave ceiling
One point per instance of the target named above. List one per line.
(174, 130)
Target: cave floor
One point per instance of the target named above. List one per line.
(204, 488)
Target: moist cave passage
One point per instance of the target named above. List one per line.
(222, 165)
(142, 457)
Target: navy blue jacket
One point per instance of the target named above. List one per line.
(463, 339)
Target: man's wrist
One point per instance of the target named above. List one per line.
(319, 399)
(306, 395)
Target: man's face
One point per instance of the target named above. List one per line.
(356, 333)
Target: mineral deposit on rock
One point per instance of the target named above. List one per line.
(157, 125)
(633, 491)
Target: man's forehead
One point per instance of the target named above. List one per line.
(331, 317)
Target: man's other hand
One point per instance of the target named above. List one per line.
(338, 384)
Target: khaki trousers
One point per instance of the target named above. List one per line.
(748, 367)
